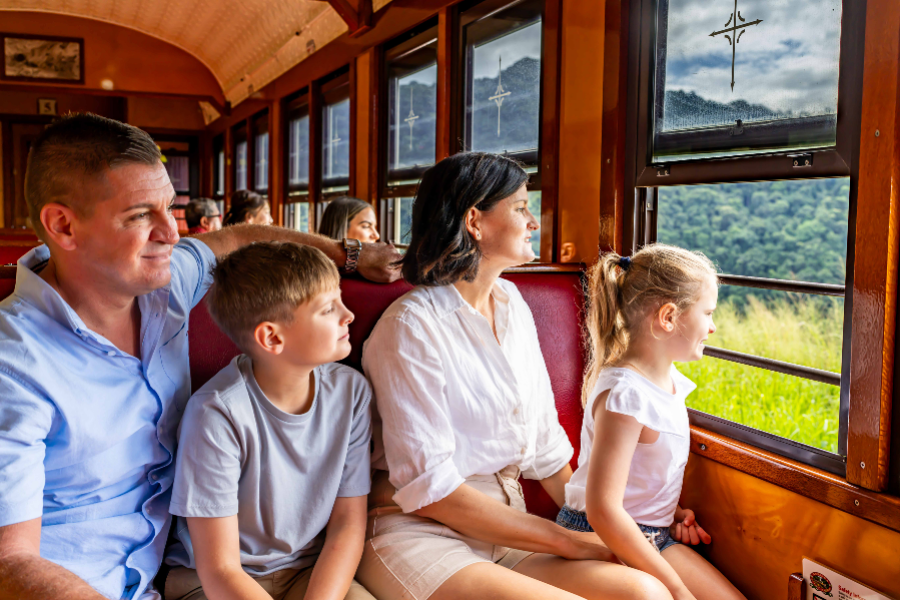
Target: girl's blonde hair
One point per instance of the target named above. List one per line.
(624, 290)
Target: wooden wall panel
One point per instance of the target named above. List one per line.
(875, 271)
(165, 113)
(581, 126)
(366, 124)
(277, 161)
(761, 532)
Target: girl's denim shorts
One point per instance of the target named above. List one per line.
(576, 520)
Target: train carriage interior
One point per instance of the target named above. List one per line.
(765, 134)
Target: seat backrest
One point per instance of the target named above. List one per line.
(555, 300)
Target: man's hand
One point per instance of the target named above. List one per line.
(377, 262)
(686, 530)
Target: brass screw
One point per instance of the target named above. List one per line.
(862, 465)
(856, 502)
(877, 133)
(703, 446)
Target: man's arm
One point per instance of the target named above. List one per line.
(26, 576)
(217, 554)
(376, 261)
(344, 538)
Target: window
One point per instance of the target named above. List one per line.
(766, 96)
(503, 80)
(261, 154)
(240, 157)
(296, 209)
(219, 167)
(336, 137)
(503, 49)
(179, 157)
(765, 78)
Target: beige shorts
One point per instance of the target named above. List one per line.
(408, 557)
(287, 584)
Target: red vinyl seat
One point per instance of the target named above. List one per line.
(555, 300)
(10, 252)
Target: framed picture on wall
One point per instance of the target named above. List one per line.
(42, 59)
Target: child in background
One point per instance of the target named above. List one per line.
(644, 314)
(274, 449)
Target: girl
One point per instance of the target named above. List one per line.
(644, 313)
(348, 217)
(248, 207)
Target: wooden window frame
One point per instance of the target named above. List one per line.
(300, 193)
(868, 103)
(241, 132)
(253, 124)
(218, 145)
(330, 90)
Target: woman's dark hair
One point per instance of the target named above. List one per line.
(243, 203)
(441, 250)
(338, 214)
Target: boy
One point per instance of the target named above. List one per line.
(275, 448)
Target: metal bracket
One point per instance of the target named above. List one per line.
(801, 161)
(662, 170)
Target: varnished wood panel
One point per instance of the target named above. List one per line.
(801, 479)
(761, 532)
(277, 160)
(875, 271)
(446, 103)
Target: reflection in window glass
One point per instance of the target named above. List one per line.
(220, 173)
(298, 159)
(336, 141)
(296, 216)
(772, 61)
(779, 229)
(261, 175)
(534, 206)
(240, 166)
(503, 94)
(404, 217)
(411, 140)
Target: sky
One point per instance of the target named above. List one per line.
(789, 62)
(511, 47)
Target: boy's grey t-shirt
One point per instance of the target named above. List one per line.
(280, 473)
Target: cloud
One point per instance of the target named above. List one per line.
(511, 47)
(789, 62)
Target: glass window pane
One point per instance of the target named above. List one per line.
(220, 173)
(797, 409)
(179, 170)
(763, 75)
(413, 103)
(298, 159)
(240, 166)
(534, 206)
(336, 141)
(503, 94)
(261, 174)
(296, 216)
(779, 229)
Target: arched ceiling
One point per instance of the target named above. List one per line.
(245, 43)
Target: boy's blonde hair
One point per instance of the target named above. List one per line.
(622, 291)
(266, 281)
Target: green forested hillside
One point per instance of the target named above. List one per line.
(780, 229)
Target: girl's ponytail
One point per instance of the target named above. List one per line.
(606, 338)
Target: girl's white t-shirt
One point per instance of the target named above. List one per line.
(657, 469)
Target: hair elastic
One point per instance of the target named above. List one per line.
(624, 262)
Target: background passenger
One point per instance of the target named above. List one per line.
(645, 313)
(248, 207)
(202, 215)
(274, 450)
(466, 407)
(348, 217)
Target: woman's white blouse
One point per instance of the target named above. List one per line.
(452, 401)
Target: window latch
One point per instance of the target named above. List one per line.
(662, 170)
(801, 161)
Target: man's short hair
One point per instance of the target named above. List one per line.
(78, 146)
(266, 281)
(198, 208)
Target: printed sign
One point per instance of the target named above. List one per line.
(824, 584)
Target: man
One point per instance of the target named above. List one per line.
(202, 216)
(94, 371)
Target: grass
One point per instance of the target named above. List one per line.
(805, 332)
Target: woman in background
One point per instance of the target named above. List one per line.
(248, 207)
(348, 217)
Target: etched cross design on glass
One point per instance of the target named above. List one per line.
(736, 38)
(500, 93)
(411, 119)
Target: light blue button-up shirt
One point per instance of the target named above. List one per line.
(88, 432)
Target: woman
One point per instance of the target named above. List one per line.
(348, 217)
(248, 207)
(465, 403)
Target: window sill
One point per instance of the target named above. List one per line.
(796, 477)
